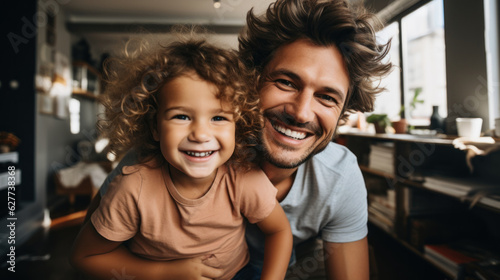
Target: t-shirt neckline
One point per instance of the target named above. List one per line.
(187, 201)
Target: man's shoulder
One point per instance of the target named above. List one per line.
(137, 179)
(253, 179)
(143, 168)
(254, 171)
(335, 161)
(129, 159)
(334, 155)
(139, 172)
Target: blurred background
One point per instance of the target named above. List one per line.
(446, 54)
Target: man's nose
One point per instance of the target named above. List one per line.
(200, 132)
(301, 107)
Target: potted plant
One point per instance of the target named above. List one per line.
(401, 126)
(380, 121)
(414, 101)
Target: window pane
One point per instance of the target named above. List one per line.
(424, 61)
(389, 101)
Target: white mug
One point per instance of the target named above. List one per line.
(469, 127)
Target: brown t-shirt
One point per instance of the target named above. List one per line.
(144, 208)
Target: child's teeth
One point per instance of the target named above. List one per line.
(197, 154)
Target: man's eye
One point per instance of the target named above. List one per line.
(181, 117)
(282, 83)
(219, 118)
(328, 99)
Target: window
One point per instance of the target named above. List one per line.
(74, 115)
(389, 102)
(418, 54)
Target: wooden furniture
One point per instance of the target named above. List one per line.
(86, 80)
(85, 187)
(422, 193)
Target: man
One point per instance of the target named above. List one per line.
(317, 61)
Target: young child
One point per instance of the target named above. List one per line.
(187, 109)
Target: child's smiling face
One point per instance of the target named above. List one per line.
(196, 132)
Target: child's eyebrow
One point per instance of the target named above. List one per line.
(225, 111)
(180, 108)
(189, 110)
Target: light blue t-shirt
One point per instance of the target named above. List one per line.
(328, 199)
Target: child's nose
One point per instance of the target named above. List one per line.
(200, 132)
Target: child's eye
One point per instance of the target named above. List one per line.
(219, 118)
(181, 117)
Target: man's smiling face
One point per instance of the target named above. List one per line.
(302, 97)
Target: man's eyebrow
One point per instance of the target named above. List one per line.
(296, 77)
(335, 91)
(285, 72)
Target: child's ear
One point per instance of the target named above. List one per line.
(154, 129)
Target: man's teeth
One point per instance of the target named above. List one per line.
(288, 132)
(202, 154)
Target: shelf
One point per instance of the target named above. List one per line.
(426, 213)
(381, 225)
(377, 172)
(12, 157)
(85, 94)
(408, 247)
(4, 179)
(83, 64)
(438, 139)
(490, 203)
(86, 80)
(485, 202)
(7, 158)
(461, 194)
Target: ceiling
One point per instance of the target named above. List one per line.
(156, 15)
(107, 24)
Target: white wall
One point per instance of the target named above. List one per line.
(113, 43)
(55, 145)
(492, 13)
(466, 69)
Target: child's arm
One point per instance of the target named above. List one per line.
(105, 259)
(278, 246)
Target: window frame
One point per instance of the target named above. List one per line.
(398, 18)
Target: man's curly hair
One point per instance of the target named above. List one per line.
(133, 81)
(325, 23)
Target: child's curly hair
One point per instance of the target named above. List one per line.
(133, 81)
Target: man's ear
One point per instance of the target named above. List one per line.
(154, 129)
